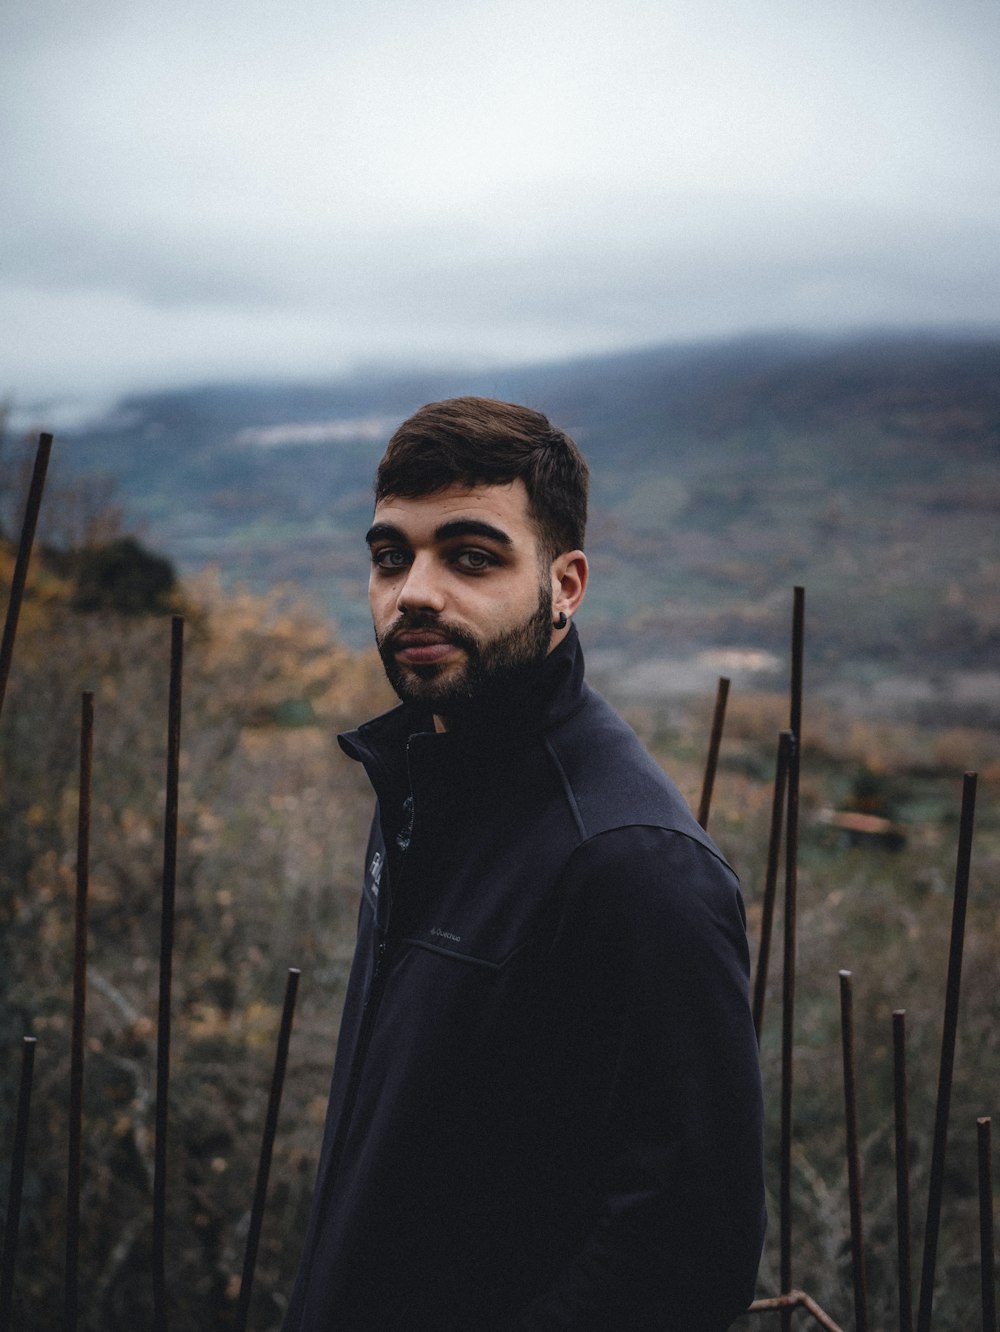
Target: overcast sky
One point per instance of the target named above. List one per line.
(197, 189)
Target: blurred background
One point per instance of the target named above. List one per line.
(747, 254)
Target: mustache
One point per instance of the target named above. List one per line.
(410, 622)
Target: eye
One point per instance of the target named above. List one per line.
(390, 558)
(473, 560)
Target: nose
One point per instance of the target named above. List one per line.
(421, 588)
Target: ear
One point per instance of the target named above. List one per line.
(569, 582)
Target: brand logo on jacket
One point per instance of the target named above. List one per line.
(446, 934)
(375, 871)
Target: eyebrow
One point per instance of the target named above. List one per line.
(458, 527)
(384, 532)
(461, 527)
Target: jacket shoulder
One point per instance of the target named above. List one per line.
(610, 780)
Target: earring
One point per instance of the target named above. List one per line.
(561, 622)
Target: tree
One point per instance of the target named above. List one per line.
(123, 576)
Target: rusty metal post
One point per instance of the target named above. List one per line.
(798, 641)
(13, 1223)
(853, 1153)
(903, 1238)
(70, 1306)
(987, 1249)
(952, 989)
(266, 1149)
(28, 525)
(788, 979)
(770, 881)
(796, 1299)
(166, 968)
(712, 762)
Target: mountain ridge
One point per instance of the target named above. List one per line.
(866, 468)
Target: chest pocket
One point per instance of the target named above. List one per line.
(474, 952)
(485, 909)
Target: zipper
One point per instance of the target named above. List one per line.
(369, 1012)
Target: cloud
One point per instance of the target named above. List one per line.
(293, 184)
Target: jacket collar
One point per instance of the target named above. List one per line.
(392, 744)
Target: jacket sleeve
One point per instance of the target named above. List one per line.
(653, 938)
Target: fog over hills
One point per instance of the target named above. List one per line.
(867, 469)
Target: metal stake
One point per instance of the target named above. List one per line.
(853, 1153)
(266, 1149)
(798, 640)
(952, 989)
(30, 522)
(718, 721)
(903, 1244)
(70, 1307)
(166, 964)
(16, 1182)
(986, 1245)
(787, 1033)
(796, 1299)
(770, 881)
(788, 980)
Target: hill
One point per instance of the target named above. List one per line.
(866, 469)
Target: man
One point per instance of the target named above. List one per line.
(545, 1110)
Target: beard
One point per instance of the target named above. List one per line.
(495, 669)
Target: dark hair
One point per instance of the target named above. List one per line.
(482, 441)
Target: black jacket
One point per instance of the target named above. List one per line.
(545, 1109)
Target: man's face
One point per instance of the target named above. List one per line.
(460, 593)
